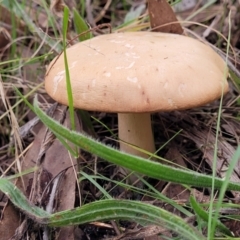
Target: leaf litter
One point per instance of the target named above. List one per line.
(192, 147)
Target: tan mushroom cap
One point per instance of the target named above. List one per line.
(139, 72)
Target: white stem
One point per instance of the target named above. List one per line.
(135, 129)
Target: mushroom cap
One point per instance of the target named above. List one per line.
(138, 72)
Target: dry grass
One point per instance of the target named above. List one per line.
(192, 132)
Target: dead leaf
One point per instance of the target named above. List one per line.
(31, 73)
(10, 222)
(176, 191)
(203, 16)
(161, 13)
(200, 196)
(205, 141)
(57, 163)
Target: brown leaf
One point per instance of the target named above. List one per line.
(175, 191)
(57, 163)
(9, 223)
(205, 141)
(31, 73)
(200, 196)
(161, 13)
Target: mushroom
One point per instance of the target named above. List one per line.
(137, 73)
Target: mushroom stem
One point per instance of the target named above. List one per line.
(135, 129)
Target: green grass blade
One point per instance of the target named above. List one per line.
(235, 78)
(20, 174)
(19, 11)
(69, 88)
(141, 165)
(212, 222)
(94, 182)
(100, 211)
(125, 210)
(165, 199)
(62, 140)
(20, 201)
(223, 189)
(87, 123)
(205, 216)
(148, 190)
(81, 26)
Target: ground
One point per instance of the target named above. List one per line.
(28, 42)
